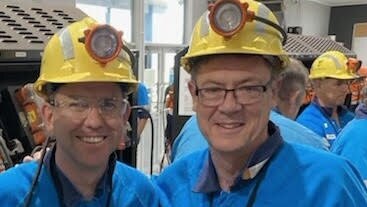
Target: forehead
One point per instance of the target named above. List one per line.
(98, 89)
(234, 67)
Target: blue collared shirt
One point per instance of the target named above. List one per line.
(318, 119)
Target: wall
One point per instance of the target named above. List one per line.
(342, 20)
(311, 16)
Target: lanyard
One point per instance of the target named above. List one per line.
(58, 185)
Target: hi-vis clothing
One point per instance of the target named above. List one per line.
(278, 174)
(351, 143)
(191, 139)
(318, 119)
(120, 186)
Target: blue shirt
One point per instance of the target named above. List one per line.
(143, 100)
(318, 119)
(190, 138)
(351, 143)
(128, 188)
(294, 175)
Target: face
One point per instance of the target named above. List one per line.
(86, 139)
(231, 127)
(331, 92)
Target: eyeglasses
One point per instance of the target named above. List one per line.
(341, 82)
(214, 96)
(80, 106)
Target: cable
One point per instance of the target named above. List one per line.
(152, 135)
(276, 26)
(29, 197)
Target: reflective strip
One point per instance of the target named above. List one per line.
(263, 12)
(204, 24)
(66, 44)
(335, 60)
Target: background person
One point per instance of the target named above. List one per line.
(232, 91)
(351, 143)
(330, 77)
(86, 89)
(144, 102)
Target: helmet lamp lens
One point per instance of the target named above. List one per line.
(104, 43)
(228, 17)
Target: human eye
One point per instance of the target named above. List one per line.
(249, 90)
(109, 104)
(77, 104)
(212, 91)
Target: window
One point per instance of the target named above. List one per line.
(169, 15)
(116, 13)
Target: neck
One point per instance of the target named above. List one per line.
(228, 167)
(85, 179)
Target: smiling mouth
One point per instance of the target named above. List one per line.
(230, 126)
(92, 140)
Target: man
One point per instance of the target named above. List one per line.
(86, 86)
(143, 102)
(247, 163)
(330, 77)
(351, 142)
(290, 91)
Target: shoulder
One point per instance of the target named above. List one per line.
(352, 136)
(183, 170)
(130, 177)
(316, 162)
(16, 182)
(313, 172)
(133, 188)
(311, 111)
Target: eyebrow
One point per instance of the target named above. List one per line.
(239, 82)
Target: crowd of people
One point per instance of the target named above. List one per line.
(246, 145)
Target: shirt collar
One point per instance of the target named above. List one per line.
(71, 195)
(207, 181)
(328, 111)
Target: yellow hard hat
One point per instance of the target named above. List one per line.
(81, 52)
(259, 34)
(332, 64)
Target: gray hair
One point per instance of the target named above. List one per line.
(294, 76)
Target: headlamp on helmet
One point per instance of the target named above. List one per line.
(103, 43)
(228, 17)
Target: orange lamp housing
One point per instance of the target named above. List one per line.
(228, 17)
(353, 65)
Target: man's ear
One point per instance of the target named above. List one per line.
(126, 115)
(48, 117)
(192, 87)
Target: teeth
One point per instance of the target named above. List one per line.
(92, 140)
(230, 126)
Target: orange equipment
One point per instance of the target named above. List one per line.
(30, 104)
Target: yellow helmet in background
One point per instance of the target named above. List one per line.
(332, 64)
(74, 55)
(260, 33)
